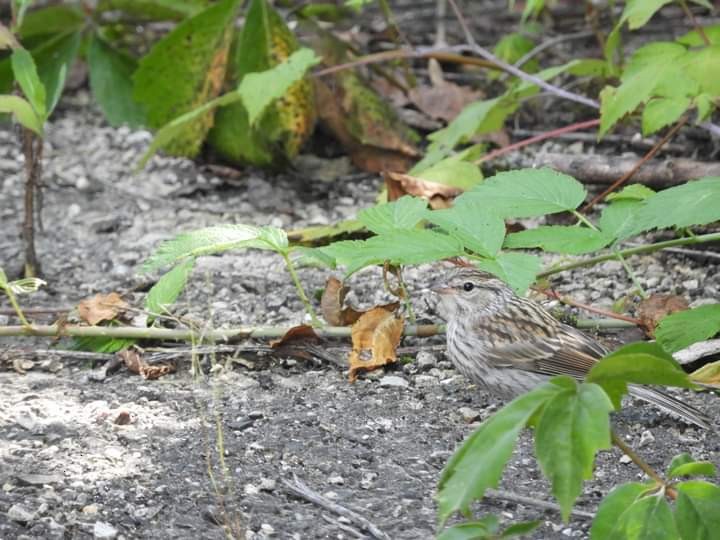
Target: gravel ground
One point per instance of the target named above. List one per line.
(83, 454)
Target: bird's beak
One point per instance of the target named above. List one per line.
(439, 287)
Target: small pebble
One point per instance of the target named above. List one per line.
(104, 531)
(393, 380)
(625, 459)
(469, 414)
(646, 438)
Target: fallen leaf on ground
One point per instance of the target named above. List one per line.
(331, 304)
(654, 308)
(136, 364)
(439, 195)
(708, 375)
(375, 337)
(442, 100)
(101, 307)
(302, 332)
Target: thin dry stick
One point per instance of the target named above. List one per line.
(299, 489)
(591, 309)
(624, 178)
(537, 138)
(487, 55)
(529, 501)
(550, 43)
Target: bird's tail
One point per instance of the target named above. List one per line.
(671, 405)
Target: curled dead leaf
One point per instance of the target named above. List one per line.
(136, 364)
(302, 332)
(654, 308)
(439, 195)
(375, 337)
(101, 307)
(442, 100)
(331, 304)
(708, 375)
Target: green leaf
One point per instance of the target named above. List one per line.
(185, 70)
(451, 172)
(681, 329)
(215, 240)
(111, 83)
(486, 527)
(50, 20)
(641, 363)
(613, 506)
(648, 518)
(638, 12)
(697, 510)
(518, 270)
(560, 239)
(703, 67)
(404, 213)
(24, 285)
(527, 193)
(23, 112)
(618, 217)
(520, 529)
(258, 90)
(106, 345)
(695, 203)
(27, 77)
(472, 224)
(694, 39)
(633, 192)
(309, 256)
(705, 106)
(54, 60)
(399, 247)
(167, 289)
(684, 465)
(573, 426)
(478, 464)
(660, 112)
(514, 46)
(153, 10)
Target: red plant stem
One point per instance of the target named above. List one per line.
(624, 178)
(537, 138)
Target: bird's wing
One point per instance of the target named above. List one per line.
(541, 356)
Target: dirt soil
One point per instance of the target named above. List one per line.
(85, 452)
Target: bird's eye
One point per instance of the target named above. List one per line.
(468, 286)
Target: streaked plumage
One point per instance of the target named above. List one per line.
(510, 344)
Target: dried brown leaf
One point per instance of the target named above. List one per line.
(439, 195)
(654, 308)
(708, 375)
(101, 307)
(300, 333)
(375, 338)
(136, 364)
(443, 100)
(331, 304)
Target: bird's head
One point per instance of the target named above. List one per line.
(465, 291)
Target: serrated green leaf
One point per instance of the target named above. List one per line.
(486, 527)
(697, 510)
(399, 247)
(660, 112)
(684, 465)
(185, 70)
(638, 12)
(613, 506)
(573, 426)
(308, 256)
(514, 46)
(27, 77)
(478, 464)
(54, 60)
(519, 270)
(23, 112)
(560, 239)
(641, 363)
(527, 193)
(167, 289)
(633, 192)
(703, 67)
(648, 518)
(679, 330)
(451, 172)
(111, 83)
(404, 213)
(705, 106)
(615, 103)
(471, 223)
(214, 240)
(695, 203)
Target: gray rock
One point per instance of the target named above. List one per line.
(18, 512)
(426, 360)
(104, 531)
(393, 380)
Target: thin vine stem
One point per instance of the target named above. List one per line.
(649, 248)
(301, 291)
